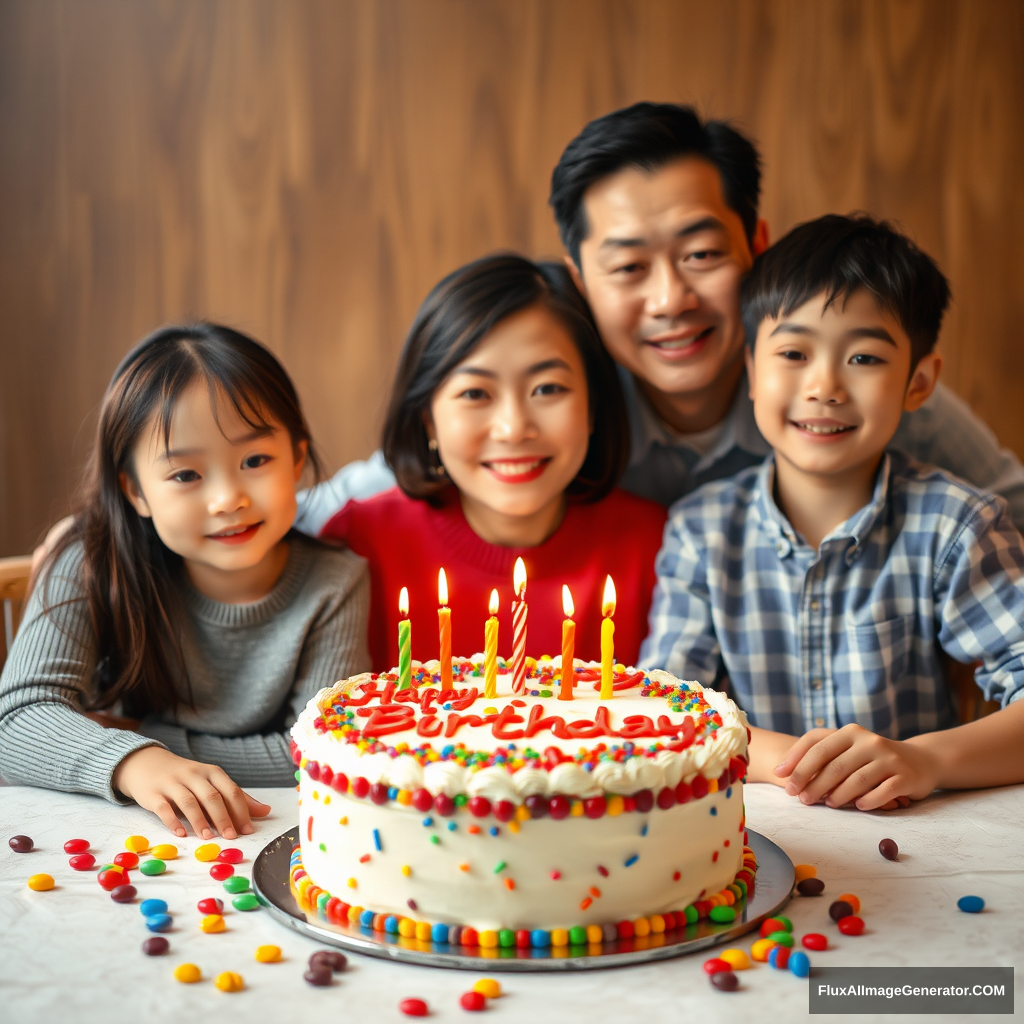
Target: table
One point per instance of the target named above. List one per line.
(73, 955)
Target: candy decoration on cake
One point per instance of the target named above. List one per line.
(607, 639)
(491, 649)
(404, 642)
(519, 627)
(568, 646)
(444, 625)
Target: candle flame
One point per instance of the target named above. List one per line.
(442, 588)
(493, 606)
(519, 577)
(608, 605)
(403, 602)
(567, 605)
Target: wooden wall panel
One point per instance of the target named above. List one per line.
(307, 170)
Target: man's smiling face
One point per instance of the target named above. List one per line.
(661, 268)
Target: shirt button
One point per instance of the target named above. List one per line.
(816, 683)
(819, 722)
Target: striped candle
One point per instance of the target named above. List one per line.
(404, 642)
(519, 627)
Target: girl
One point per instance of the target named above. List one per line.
(181, 595)
(506, 432)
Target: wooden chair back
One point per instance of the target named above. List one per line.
(14, 575)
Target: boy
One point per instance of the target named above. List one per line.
(822, 582)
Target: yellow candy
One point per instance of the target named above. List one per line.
(852, 900)
(641, 927)
(488, 939)
(212, 923)
(188, 974)
(407, 928)
(208, 851)
(657, 924)
(228, 981)
(559, 937)
(761, 948)
(489, 987)
(595, 934)
(736, 957)
(616, 805)
(423, 930)
(268, 954)
(137, 844)
(40, 883)
(803, 871)
(165, 851)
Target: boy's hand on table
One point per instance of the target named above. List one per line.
(165, 783)
(854, 765)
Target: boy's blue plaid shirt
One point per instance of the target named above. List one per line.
(849, 633)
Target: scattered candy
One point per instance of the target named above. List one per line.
(76, 846)
(839, 910)
(159, 922)
(810, 887)
(137, 844)
(802, 871)
(110, 879)
(123, 893)
(722, 915)
(150, 907)
(815, 941)
(211, 905)
(220, 871)
(800, 964)
(785, 924)
(318, 976)
(236, 884)
(971, 904)
(153, 867)
(332, 959)
(165, 851)
(268, 954)
(212, 923)
(413, 1007)
(761, 948)
(230, 855)
(40, 883)
(247, 901)
(854, 901)
(472, 1000)
(188, 974)
(851, 925)
(488, 987)
(773, 924)
(781, 939)
(20, 844)
(157, 945)
(716, 964)
(229, 981)
(888, 849)
(736, 957)
(82, 862)
(208, 851)
(725, 981)
(779, 957)
(126, 860)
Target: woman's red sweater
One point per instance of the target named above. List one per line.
(406, 541)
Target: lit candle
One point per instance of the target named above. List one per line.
(519, 627)
(404, 642)
(568, 643)
(607, 639)
(491, 650)
(444, 624)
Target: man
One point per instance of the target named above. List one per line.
(658, 214)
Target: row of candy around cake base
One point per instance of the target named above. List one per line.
(315, 901)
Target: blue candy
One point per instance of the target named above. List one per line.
(539, 938)
(366, 919)
(800, 964)
(151, 907)
(971, 904)
(158, 922)
(439, 933)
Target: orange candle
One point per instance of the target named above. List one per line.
(607, 639)
(444, 623)
(568, 645)
(491, 649)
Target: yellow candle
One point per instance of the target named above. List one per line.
(491, 650)
(444, 623)
(568, 646)
(607, 639)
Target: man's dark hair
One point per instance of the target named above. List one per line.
(837, 256)
(454, 319)
(648, 136)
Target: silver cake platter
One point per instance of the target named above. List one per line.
(774, 886)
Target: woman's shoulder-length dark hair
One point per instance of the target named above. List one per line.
(453, 320)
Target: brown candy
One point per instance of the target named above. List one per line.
(810, 887)
(156, 946)
(839, 910)
(725, 981)
(329, 958)
(888, 849)
(320, 975)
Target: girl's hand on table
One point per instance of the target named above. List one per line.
(854, 765)
(165, 783)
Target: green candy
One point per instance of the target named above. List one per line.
(784, 921)
(545, 693)
(723, 915)
(782, 938)
(153, 867)
(577, 936)
(691, 914)
(236, 883)
(247, 901)
(506, 938)
(460, 800)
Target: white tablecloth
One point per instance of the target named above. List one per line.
(73, 955)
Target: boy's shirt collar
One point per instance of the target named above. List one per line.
(856, 529)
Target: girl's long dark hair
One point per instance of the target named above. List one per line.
(126, 568)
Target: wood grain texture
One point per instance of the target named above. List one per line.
(307, 169)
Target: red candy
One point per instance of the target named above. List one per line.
(76, 846)
(559, 807)
(479, 806)
(413, 1007)
(340, 782)
(211, 905)
(360, 787)
(851, 925)
(595, 806)
(422, 800)
(772, 925)
(714, 965)
(644, 800)
(667, 798)
(472, 1001)
(82, 861)
(816, 941)
(444, 805)
(221, 871)
(112, 879)
(126, 860)
(230, 855)
(504, 810)
(684, 794)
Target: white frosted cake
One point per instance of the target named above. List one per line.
(444, 816)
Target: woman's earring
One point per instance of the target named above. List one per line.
(437, 469)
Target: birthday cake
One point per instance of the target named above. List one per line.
(446, 816)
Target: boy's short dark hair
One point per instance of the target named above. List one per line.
(453, 320)
(648, 136)
(838, 256)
